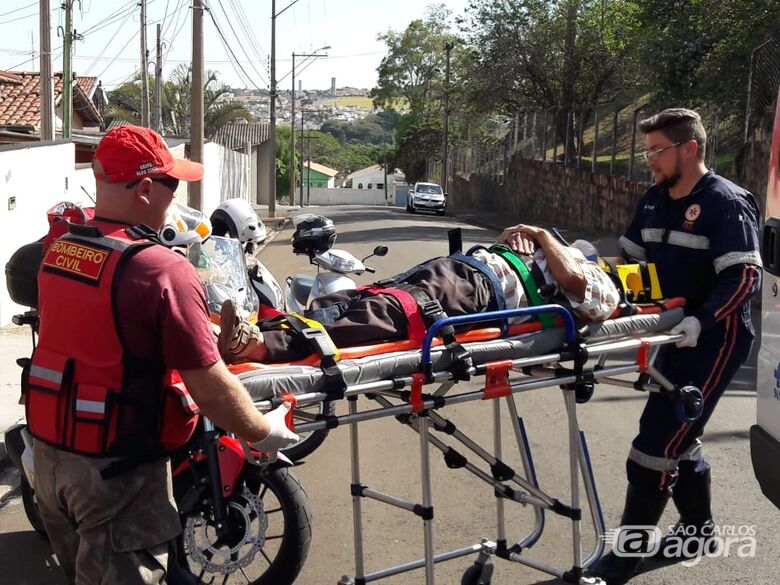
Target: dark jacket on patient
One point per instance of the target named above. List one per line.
(367, 318)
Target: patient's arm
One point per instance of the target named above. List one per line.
(564, 268)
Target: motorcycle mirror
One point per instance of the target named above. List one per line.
(378, 251)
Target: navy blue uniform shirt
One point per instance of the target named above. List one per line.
(705, 246)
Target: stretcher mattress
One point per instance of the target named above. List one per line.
(265, 381)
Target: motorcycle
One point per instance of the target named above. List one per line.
(314, 237)
(244, 514)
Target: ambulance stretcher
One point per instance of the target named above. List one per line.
(393, 378)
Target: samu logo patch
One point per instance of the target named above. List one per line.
(693, 212)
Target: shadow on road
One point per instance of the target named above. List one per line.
(421, 233)
(28, 559)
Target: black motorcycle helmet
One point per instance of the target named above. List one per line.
(313, 234)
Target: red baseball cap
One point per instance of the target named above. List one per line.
(129, 153)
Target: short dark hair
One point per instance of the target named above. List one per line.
(678, 125)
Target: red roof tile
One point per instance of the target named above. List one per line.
(20, 103)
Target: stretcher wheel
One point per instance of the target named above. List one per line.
(478, 574)
(311, 440)
(690, 402)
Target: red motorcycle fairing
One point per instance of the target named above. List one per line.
(231, 461)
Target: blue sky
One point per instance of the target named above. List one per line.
(110, 48)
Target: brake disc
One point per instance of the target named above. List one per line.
(248, 525)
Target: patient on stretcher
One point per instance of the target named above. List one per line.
(527, 261)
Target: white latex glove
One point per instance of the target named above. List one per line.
(691, 327)
(280, 436)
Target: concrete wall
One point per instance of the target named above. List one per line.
(549, 193)
(226, 175)
(35, 178)
(322, 196)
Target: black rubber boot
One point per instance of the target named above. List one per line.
(692, 497)
(643, 508)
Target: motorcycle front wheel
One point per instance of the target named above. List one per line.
(268, 536)
(30, 503)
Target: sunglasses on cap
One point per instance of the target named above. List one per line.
(169, 182)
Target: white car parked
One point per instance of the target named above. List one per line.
(426, 197)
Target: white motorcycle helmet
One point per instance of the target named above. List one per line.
(184, 226)
(237, 219)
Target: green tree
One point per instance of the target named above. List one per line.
(545, 54)
(413, 69)
(417, 138)
(698, 51)
(125, 103)
(283, 170)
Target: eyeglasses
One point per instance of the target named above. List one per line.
(651, 154)
(169, 182)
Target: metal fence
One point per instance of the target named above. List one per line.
(606, 139)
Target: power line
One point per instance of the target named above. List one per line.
(18, 9)
(260, 75)
(175, 23)
(243, 22)
(113, 38)
(19, 18)
(230, 50)
(119, 13)
(131, 39)
(176, 32)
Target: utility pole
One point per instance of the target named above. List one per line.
(272, 115)
(301, 156)
(67, 70)
(308, 169)
(292, 137)
(446, 133)
(313, 55)
(47, 93)
(272, 112)
(32, 49)
(196, 115)
(158, 82)
(144, 70)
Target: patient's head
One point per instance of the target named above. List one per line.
(588, 250)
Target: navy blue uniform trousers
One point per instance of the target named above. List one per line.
(664, 440)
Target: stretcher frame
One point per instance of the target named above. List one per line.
(419, 412)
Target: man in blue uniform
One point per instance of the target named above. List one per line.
(701, 231)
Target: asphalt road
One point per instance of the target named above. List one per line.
(465, 507)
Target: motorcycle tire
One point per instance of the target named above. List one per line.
(284, 499)
(31, 508)
(311, 440)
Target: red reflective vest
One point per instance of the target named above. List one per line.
(85, 391)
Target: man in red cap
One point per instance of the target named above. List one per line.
(121, 320)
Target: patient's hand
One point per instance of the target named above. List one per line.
(521, 238)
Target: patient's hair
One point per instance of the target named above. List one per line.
(678, 125)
